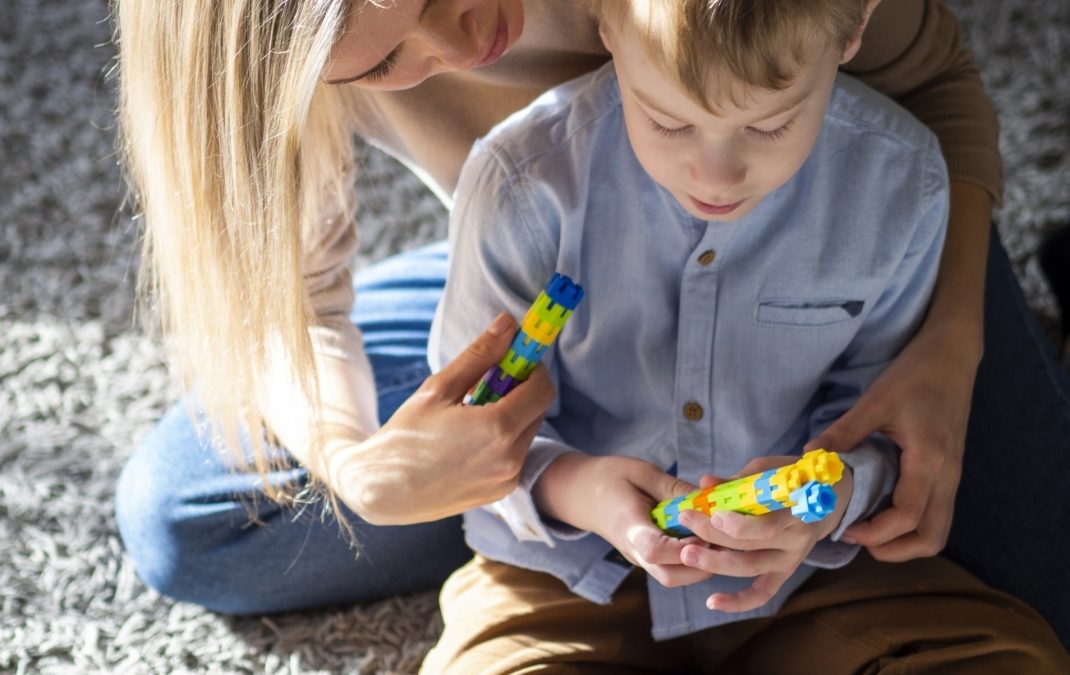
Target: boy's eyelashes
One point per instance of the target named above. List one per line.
(772, 135)
(665, 131)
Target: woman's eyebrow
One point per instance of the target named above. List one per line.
(381, 68)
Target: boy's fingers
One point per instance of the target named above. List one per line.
(759, 593)
(733, 563)
(462, 373)
(736, 531)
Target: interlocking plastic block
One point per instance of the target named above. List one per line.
(498, 382)
(480, 395)
(813, 502)
(519, 369)
(539, 328)
(803, 486)
(549, 311)
(527, 347)
(564, 291)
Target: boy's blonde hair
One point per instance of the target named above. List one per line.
(761, 43)
(233, 149)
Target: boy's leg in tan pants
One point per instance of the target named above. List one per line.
(923, 616)
(503, 619)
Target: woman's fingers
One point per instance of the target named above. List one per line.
(927, 538)
(464, 371)
(526, 403)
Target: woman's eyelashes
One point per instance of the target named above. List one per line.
(667, 132)
(382, 71)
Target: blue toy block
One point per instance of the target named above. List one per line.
(564, 292)
(813, 502)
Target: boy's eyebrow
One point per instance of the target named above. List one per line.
(779, 111)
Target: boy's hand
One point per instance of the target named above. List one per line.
(612, 497)
(768, 547)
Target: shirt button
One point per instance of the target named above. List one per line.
(707, 257)
(692, 411)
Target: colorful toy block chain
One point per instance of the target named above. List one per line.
(538, 330)
(805, 487)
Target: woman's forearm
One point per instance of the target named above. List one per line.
(956, 311)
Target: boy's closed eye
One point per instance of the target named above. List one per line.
(763, 134)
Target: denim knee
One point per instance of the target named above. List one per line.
(140, 511)
(179, 509)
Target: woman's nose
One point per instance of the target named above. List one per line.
(449, 37)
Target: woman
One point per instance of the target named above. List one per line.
(237, 118)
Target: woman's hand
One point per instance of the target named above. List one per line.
(922, 403)
(612, 497)
(436, 457)
(768, 547)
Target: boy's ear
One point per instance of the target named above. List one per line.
(855, 41)
(607, 41)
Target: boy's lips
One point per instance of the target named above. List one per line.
(715, 209)
(498, 43)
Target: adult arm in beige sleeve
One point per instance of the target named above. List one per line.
(346, 383)
(913, 51)
(435, 457)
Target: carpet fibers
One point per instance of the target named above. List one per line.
(79, 385)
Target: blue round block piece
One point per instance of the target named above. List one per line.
(564, 291)
(813, 502)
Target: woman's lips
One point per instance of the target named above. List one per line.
(715, 209)
(498, 45)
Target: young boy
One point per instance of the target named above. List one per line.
(757, 237)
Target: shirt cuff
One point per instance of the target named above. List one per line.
(518, 510)
(875, 467)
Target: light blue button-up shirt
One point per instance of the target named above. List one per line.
(808, 298)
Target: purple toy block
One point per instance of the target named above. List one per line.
(498, 382)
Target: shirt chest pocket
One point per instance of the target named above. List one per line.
(805, 313)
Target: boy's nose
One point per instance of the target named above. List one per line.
(448, 37)
(716, 172)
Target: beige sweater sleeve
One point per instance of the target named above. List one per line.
(346, 381)
(913, 51)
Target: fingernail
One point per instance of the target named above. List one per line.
(848, 540)
(717, 521)
(499, 325)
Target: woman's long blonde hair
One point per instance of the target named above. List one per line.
(232, 145)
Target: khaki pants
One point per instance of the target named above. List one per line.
(922, 616)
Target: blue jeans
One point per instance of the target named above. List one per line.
(187, 519)
(185, 522)
(1012, 511)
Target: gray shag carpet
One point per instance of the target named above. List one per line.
(80, 385)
